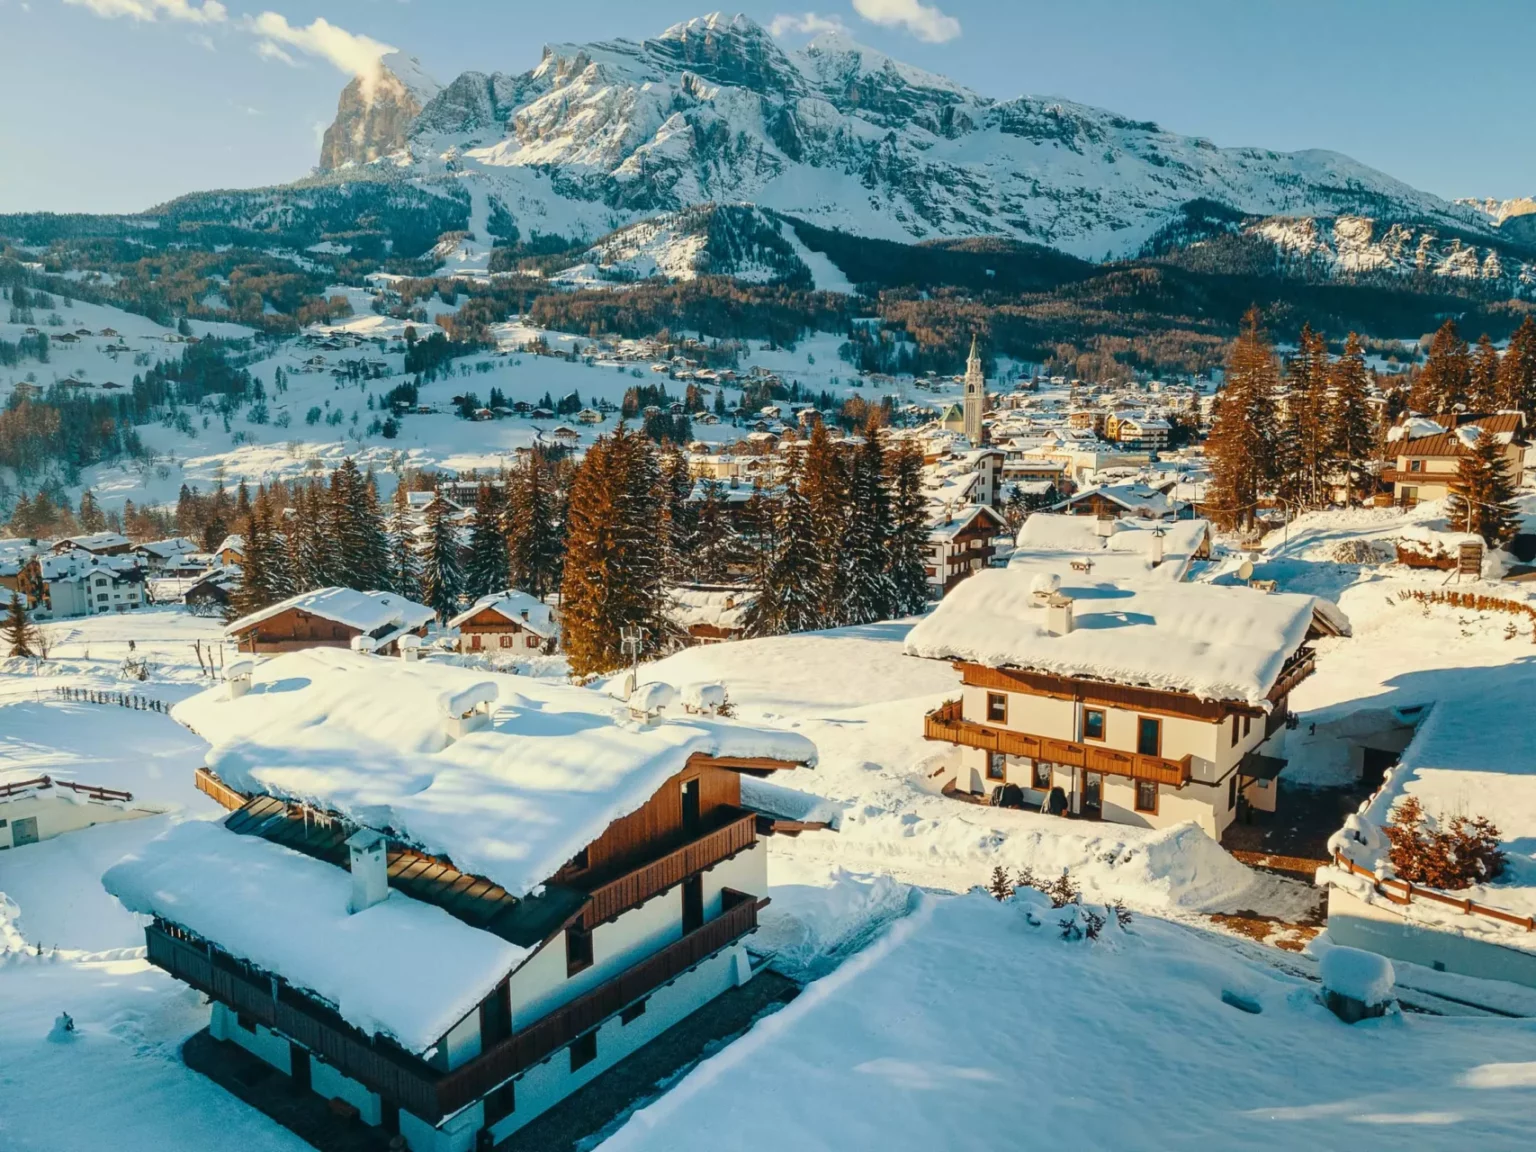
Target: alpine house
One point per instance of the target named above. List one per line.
(1143, 703)
(450, 900)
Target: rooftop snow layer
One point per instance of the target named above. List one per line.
(363, 736)
(366, 611)
(1215, 643)
(1051, 543)
(287, 913)
(528, 611)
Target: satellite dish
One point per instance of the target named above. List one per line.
(1245, 570)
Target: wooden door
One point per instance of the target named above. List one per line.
(1093, 795)
(693, 903)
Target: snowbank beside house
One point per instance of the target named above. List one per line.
(973, 1024)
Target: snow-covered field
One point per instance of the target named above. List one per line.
(929, 1024)
(259, 452)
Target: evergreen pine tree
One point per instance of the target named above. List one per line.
(868, 593)
(1446, 377)
(681, 517)
(614, 553)
(533, 535)
(487, 570)
(91, 517)
(1349, 424)
(788, 600)
(714, 543)
(307, 553)
(443, 574)
(759, 536)
(1517, 370)
(824, 484)
(255, 591)
(1482, 498)
(908, 551)
(1242, 438)
(1483, 390)
(275, 562)
(17, 635)
(404, 563)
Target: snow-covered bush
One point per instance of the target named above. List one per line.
(1464, 854)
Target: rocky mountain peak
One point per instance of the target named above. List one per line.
(376, 112)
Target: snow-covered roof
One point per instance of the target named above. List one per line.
(174, 546)
(95, 541)
(234, 541)
(1213, 642)
(287, 913)
(364, 737)
(368, 612)
(1135, 497)
(946, 525)
(1053, 543)
(529, 612)
(724, 608)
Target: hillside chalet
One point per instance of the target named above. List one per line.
(331, 618)
(1428, 461)
(507, 623)
(1143, 705)
(537, 887)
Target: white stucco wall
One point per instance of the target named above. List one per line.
(261, 1042)
(57, 814)
(1358, 924)
(330, 1084)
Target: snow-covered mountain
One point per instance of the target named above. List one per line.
(377, 111)
(599, 136)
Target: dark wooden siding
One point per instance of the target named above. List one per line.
(659, 821)
(1098, 692)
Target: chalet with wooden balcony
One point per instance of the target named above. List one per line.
(449, 900)
(331, 617)
(1145, 704)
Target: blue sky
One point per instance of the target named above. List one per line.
(118, 104)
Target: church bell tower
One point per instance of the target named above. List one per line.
(975, 398)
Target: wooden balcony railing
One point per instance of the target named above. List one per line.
(564, 1024)
(1297, 668)
(944, 723)
(211, 785)
(89, 791)
(400, 1077)
(411, 1083)
(637, 886)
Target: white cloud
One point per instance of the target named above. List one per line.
(351, 53)
(924, 21)
(804, 24)
(270, 51)
(202, 40)
(209, 12)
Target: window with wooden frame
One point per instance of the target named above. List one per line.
(1234, 729)
(997, 707)
(584, 1050)
(1041, 776)
(1247, 726)
(500, 1102)
(1093, 724)
(578, 949)
(1232, 792)
(997, 766)
(1149, 736)
(1146, 796)
(496, 1016)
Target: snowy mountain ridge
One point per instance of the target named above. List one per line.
(598, 136)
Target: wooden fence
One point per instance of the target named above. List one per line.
(1405, 891)
(121, 699)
